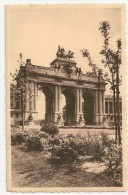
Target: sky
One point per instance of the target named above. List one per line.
(36, 32)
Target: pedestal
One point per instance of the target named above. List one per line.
(80, 120)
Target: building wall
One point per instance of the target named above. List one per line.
(109, 109)
(16, 116)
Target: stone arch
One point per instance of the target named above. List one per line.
(88, 107)
(48, 92)
(69, 111)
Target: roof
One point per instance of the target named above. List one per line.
(63, 60)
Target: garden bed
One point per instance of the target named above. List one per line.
(33, 169)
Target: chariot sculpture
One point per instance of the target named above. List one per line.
(63, 54)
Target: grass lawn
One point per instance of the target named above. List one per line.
(33, 169)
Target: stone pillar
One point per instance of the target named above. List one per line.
(56, 104)
(27, 106)
(100, 108)
(59, 98)
(103, 104)
(97, 107)
(35, 94)
(108, 108)
(81, 118)
(79, 112)
(32, 96)
(77, 105)
(57, 112)
(80, 100)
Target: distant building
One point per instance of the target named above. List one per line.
(109, 109)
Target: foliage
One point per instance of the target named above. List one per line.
(77, 145)
(21, 89)
(62, 150)
(33, 141)
(113, 159)
(50, 129)
(17, 136)
(112, 62)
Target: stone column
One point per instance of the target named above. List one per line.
(103, 103)
(81, 118)
(97, 108)
(27, 99)
(77, 105)
(100, 108)
(59, 98)
(56, 98)
(32, 96)
(80, 100)
(57, 112)
(79, 112)
(35, 96)
(108, 108)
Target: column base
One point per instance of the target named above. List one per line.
(58, 119)
(80, 120)
(100, 120)
(31, 125)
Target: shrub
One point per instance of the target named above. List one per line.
(50, 129)
(69, 148)
(106, 141)
(96, 146)
(79, 145)
(113, 159)
(17, 136)
(56, 140)
(34, 141)
(64, 153)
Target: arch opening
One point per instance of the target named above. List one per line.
(45, 105)
(88, 108)
(69, 109)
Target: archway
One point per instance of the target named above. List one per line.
(69, 109)
(45, 104)
(88, 108)
(41, 106)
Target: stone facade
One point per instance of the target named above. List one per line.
(64, 77)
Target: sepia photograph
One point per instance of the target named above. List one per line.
(66, 97)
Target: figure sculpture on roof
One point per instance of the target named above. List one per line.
(63, 54)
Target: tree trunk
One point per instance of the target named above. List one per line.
(115, 121)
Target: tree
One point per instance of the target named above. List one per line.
(21, 89)
(112, 61)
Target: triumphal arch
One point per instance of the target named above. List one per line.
(85, 99)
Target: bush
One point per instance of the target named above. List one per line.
(96, 146)
(78, 143)
(113, 159)
(17, 136)
(106, 141)
(82, 145)
(50, 129)
(34, 141)
(64, 153)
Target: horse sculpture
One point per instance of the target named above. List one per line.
(63, 54)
